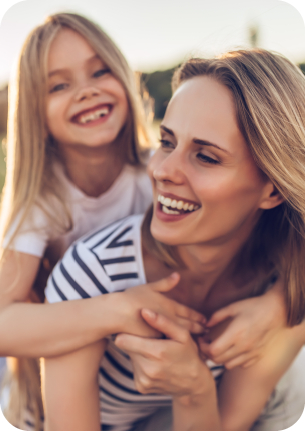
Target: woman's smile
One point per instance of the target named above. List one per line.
(207, 186)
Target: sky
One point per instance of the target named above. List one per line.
(160, 33)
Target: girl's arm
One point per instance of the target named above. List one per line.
(36, 330)
(173, 366)
(70, 390)
(253, 324)
(244, 392)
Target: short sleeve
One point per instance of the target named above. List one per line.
(78, 275)
(32, 236)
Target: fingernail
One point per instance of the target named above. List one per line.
(151, 314)
(174, 275)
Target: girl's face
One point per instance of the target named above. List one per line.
(86, 104)
(207, 188)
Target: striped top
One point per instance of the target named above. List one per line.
(106, 261)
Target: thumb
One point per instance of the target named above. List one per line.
(221, 315)
(166, 284)
(164, 325)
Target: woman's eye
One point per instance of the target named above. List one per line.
(58, 87)
(101, 72)
(207, 159)
(166, 144)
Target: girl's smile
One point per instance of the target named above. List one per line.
(86, 104)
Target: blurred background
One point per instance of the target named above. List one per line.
(156, 36)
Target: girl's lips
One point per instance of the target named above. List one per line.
(93, 116)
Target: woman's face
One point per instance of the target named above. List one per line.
(86, 105)
(207, 188)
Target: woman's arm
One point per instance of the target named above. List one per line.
(70, 390)
(173, 366)
(244, 392)
(42, 330)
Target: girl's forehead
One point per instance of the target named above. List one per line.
(70, 49)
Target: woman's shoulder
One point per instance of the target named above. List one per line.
(106, 260)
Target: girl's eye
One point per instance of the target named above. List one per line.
(58, 87)
(101, 72)
(166, 144)
(207, 159)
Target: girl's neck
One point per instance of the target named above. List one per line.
(93, 170)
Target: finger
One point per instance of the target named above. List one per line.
(166, 326)
(240, 361)
(190, 314)
(250, 362)
(220, 349)
(138, 345)
(192, 327)
(167, 283)
(221, 315)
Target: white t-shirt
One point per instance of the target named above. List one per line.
(129, 194)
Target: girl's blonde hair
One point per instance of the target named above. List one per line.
(269, 95)
(31, 151)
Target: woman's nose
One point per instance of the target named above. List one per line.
(86, 92)
(169, 169)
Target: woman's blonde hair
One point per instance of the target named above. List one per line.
(31, 151)
(269, 95)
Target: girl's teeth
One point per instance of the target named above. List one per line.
(94, 116)
(172, 203)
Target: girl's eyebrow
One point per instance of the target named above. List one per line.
(195, 140)
(64, 70)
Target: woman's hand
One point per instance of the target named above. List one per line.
(254, 323)
(128, 306)
(167, 366)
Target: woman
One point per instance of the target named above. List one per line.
(229, 216)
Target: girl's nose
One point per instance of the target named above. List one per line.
(86, 92)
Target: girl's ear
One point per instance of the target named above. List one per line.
(271, 197)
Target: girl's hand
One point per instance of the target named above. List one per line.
(128, 306)
(254, 323)
(167, 366)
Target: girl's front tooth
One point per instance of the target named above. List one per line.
(167, 202)
(179, 205)
(174, 203)
(185, 206)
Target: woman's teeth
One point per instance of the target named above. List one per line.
(91, 116)
(176, 205)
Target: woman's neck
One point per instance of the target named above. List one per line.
(93, 170)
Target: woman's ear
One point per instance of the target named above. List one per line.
(271, 197)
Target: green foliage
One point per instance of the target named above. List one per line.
(302, 67)
(158, 84)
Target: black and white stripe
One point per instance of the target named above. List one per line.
(106, 261)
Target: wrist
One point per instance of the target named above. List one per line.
(205, 389)
(110, 315)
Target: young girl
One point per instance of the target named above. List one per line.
(76, 150)
(229, 215)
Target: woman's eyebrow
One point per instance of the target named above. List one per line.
(208, 144)
(169, 131)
